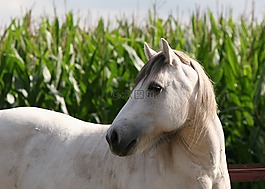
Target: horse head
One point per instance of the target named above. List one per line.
(164, 99)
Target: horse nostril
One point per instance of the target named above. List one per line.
(114, 139)
(131, 145)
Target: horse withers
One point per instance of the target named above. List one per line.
(167, 135)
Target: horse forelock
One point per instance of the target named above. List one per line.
(151, 68)
(156, 64)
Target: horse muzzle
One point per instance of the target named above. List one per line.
(121, 144)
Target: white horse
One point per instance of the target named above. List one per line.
(168, 134)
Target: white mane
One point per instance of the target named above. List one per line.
(205, 107)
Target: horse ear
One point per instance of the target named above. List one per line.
(149, 53)
(167, 51)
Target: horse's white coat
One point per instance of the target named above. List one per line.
(42, 149)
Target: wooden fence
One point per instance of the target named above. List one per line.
(247, 172)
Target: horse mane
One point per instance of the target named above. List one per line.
(205, 107)
(206, 104)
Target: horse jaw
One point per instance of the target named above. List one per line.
(149, 53)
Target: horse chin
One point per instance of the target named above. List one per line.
(158, 141)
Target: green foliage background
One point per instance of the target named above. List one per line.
(88, 72)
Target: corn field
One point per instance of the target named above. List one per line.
(88, 72)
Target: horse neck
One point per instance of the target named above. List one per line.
(204, 143)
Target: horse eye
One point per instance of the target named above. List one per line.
(155, 88)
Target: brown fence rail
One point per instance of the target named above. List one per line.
(247, 172)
